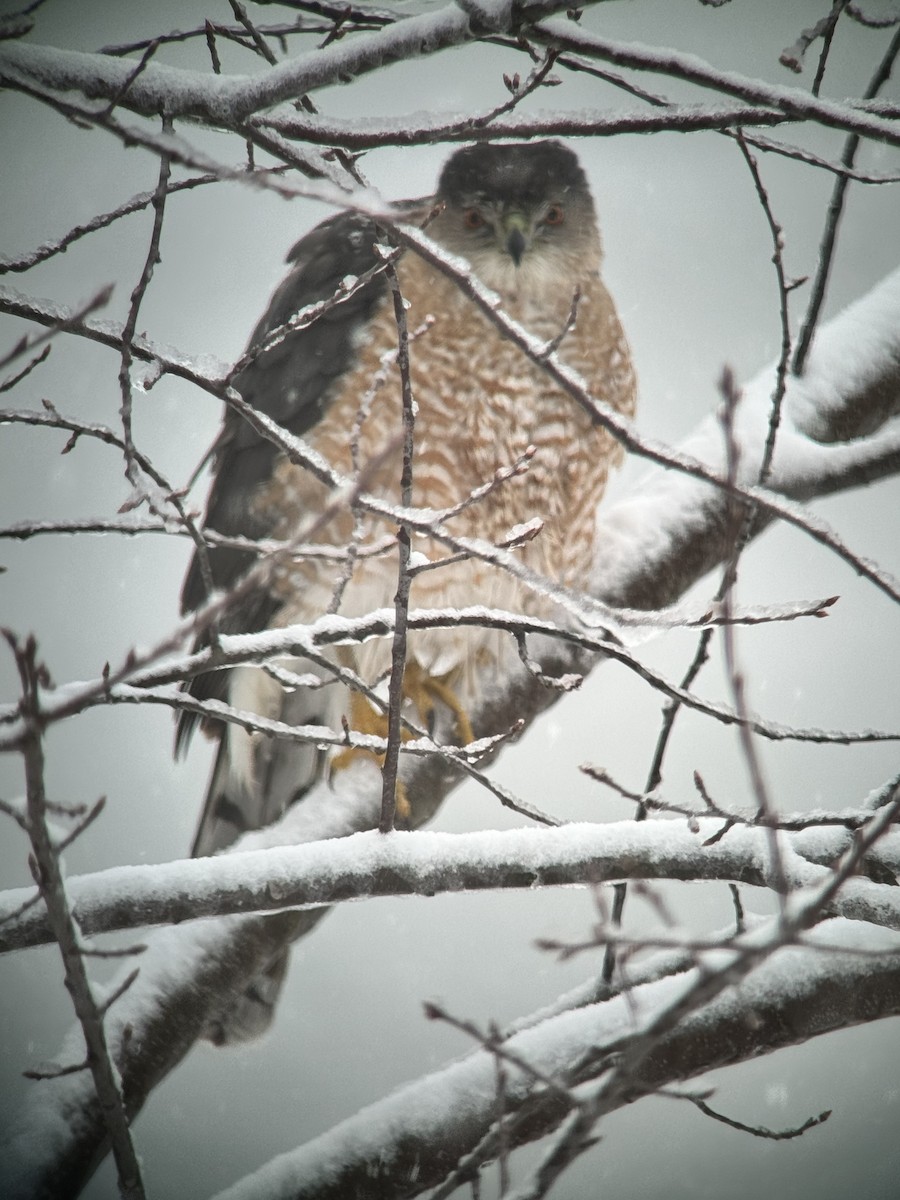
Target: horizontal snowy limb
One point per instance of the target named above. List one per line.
(426, 864)
(429, 128)
(228, 100)
(413, 1139)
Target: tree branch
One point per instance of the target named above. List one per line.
(281, 876)
(225, 101)
(410, 1141)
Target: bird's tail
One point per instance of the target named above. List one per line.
(254, 780)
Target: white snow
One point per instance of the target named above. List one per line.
(261, 874)
(859, 346)
(452, 1107)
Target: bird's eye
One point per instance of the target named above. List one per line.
(472, 219)
(554, 215)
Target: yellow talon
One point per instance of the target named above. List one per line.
(421, 690)
(365, 718)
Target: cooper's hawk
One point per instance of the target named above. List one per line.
(523, 217)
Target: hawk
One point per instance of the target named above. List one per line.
(523, 218)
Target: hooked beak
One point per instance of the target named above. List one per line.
(515, 230)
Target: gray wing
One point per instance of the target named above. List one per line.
(291, 383)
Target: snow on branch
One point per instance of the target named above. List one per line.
(849, 392)
(579, 1064)
(411, 1140)
(428, 128)
(425, 864)
(135, 683)
(795, 102)
(228, 100)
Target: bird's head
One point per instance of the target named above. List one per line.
(517, 212)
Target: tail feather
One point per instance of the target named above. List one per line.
(250, 1013)
(254, 780)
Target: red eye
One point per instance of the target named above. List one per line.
(472, 218)
(554, 215)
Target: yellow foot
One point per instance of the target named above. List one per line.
(422, 691)
(365, 718)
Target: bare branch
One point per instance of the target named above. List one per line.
(759, 1131)
(48, 877)
(404, 579)
(794, 102)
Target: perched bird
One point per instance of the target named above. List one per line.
(523, 218)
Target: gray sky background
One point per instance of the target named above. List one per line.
(688, 260)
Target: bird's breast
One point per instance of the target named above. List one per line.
(497, 444)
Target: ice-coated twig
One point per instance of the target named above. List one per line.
(49, 878)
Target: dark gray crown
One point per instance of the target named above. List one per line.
(523, 173)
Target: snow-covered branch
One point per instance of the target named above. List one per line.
(228, 100)
(833, 412)
(411, 1140)
(794, 102)
(428, 128)
(222, 100)
(425, 864)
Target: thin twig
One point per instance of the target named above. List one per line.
(48, 877)
(792, 57)
(787, 822)
(495, 1043)
(760, 1131)
(122, 90)
(401, 599)
(256, 36)
(827, 33)
(8, 384)
(784, 289)
(48, 250)
(736, 679)
(833, 217)
(68, 321)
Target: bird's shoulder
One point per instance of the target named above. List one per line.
(292, 369)
(333, 277)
